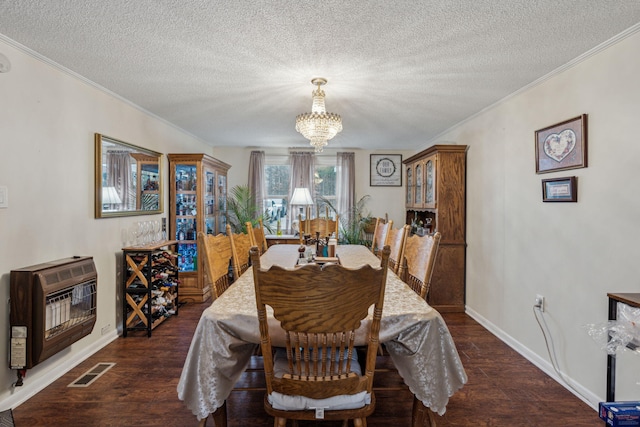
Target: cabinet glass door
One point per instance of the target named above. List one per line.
(430, 183)
(409, 201)
(418, 178)
(222, 204)
(149, 196)
(210, 202)
(186, 214)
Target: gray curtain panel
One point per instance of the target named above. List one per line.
(345, 183)
(120, 176)
(256, 178)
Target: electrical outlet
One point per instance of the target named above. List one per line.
(106, 328)
(540, 302)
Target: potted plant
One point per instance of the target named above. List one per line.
(352, 223)
(242, 208)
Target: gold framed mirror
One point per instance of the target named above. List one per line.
(128, 179)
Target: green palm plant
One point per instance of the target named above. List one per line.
(242, 208)
(353, 222)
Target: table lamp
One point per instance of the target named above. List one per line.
(301, 197)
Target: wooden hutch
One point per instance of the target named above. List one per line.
(436, 193)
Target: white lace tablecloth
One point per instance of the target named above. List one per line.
(415, 335)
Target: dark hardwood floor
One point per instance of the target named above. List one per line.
(504, 389)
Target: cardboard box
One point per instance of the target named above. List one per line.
(617, 414)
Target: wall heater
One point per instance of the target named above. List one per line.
(53, 305)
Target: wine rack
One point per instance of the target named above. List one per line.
(150, 281)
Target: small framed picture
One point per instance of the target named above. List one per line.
(560, 189)
(562, 146)
(386, 170)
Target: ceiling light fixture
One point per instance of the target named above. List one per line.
(318, 126)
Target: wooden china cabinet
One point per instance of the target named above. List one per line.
(436, 201)
(197, 202)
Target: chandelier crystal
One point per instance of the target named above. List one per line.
(318, 126)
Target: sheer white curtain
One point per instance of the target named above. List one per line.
(120, 177)
(302, 169)
(345, 184)
(256, 178)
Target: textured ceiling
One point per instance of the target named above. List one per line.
(237, 73)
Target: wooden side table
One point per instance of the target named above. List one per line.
(632, 300)
(285, 239)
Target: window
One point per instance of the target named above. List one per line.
(276, 199)
(325, 184)
(276, 175)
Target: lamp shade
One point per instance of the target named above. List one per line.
(301, 196)
(110, 196)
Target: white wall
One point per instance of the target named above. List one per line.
(572, 253)
(47, 125)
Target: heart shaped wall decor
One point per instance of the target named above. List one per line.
(558, 145)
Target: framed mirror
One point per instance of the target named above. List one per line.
(128, 179)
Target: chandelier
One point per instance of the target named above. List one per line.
(318, 126)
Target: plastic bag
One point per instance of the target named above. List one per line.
(615, 336)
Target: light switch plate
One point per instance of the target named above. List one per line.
(4, 197)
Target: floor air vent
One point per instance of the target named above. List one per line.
(91, 375)
(6, 418)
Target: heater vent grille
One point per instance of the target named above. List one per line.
(59, 276)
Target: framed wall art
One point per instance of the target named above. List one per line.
(386, 170)
(562, 146)
(560, 189)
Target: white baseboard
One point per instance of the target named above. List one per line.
(580, 392)
(31, 387)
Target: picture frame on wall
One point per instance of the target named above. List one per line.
(562, 146)
(560, 189)
(385, 170)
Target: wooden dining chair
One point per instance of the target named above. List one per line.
(325, 226)
(257, 235)
(419, 259)
(369, 229)
(240, 245)
(396, 240)
(319, 309)
(217, 253)
(380, 236)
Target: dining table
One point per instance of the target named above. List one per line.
(414, 334)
